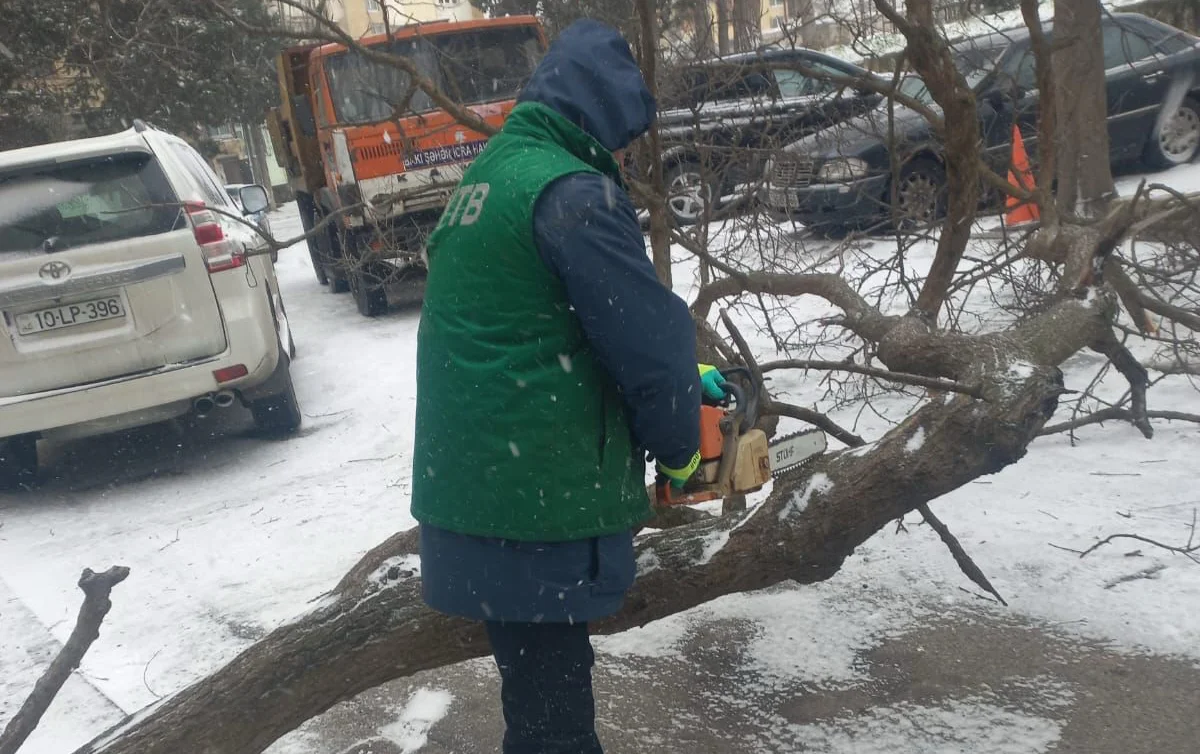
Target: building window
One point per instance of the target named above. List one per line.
(221, 132)
(374, 7)
(777, 22)
(376, 28)
(447, 2)
(777, 3)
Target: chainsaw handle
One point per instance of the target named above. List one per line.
(746, 401)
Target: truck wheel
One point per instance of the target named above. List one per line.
(18, 462)
(335, 264)
(369, 294)
(308, 218)
(279, 414)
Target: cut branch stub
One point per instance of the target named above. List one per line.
(96, 603)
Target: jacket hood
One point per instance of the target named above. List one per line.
(589, 76)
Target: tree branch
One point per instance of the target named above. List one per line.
(96, 603)
(1116, 413)
(932, 383)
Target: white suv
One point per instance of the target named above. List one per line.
(131, 292)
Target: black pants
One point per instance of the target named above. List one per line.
(546, 675)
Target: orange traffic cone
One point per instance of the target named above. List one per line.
(1019, 212)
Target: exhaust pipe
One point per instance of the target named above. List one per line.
(203, 405)
(224, 399)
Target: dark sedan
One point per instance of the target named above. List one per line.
(719, 118)
(841, 177)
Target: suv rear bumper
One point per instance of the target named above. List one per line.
(148, 397)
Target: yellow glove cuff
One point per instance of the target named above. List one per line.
(682, 475)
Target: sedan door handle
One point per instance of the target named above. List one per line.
(1152, 77)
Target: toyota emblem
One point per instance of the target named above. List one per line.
(54, 271)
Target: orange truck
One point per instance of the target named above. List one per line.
(372, 160)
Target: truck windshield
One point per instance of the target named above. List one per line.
(473, 67)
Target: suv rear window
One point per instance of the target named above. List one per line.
(55, 207)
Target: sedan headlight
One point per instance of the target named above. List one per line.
(838, 169)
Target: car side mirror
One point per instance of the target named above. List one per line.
(254, 199)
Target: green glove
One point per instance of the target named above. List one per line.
(679, 477)
(713, 382)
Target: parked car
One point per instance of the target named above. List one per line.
(126, 299)
(841, 176)
(719, 117)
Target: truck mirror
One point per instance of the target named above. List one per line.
(304, 115)
(254, 199)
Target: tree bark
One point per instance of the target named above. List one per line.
(660, 221)
(1085, 181)
(723, 26)
(97, 587)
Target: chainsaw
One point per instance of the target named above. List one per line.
(735, 457)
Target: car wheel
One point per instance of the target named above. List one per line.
(920, 197)
(1178, 141)
(18, 461)
(279, 414)
(689, 197)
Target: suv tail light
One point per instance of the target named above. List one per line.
(220, 253)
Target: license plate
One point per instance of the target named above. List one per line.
(70, 315)
(785, 199)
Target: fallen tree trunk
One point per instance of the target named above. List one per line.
(373, 627)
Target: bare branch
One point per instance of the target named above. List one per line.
(932, 383)
(96, 603)
(1115, 413)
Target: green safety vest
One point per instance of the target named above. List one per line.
(520, 432)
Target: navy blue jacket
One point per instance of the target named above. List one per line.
(587, 232)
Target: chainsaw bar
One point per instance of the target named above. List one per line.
(791, 452)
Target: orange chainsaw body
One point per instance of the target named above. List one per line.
(733, 459)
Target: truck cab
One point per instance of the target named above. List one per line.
(372, 156)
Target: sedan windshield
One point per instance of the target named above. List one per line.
(975, 62)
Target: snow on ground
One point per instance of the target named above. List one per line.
(228, 535)
(411, 729)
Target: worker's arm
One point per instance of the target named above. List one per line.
(587, 233)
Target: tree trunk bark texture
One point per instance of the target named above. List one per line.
(1084, 174)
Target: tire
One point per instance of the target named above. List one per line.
(688, 196)
(308, 218)
(369, 294)
(1178, 142)
(18, 462)
(366, 284)
(920, 196)
(335, 268)
(279, 414)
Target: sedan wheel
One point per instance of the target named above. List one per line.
(920, 194)
(688, 196)
(1179, 139)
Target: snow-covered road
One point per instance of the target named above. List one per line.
(227, 535)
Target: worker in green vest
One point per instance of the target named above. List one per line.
(550, 362)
